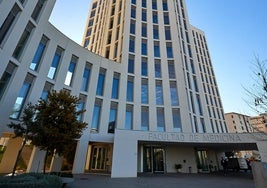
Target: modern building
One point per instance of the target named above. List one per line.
(238, 123)
(144, 76)
(259, 123)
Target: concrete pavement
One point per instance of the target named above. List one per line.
(218, 180)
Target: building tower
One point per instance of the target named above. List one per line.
(170, 74)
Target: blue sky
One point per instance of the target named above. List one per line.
(236, 32)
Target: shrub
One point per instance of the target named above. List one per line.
(31, 180)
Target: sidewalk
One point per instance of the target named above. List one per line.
(231, 180)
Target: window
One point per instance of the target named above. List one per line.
(72, 65)
(134, 2)
(171, 69)
(144, 91)
(53, 68)
(100, 83)
(131, 45)
(195, 83)
(144, 67)
(96, 115)
(159, 93)
(115, 86)
(156, 50)
(168, 33)
(23, 40)
(143, 3)
(80, 107)
(160, 120)
(129, 117)
(203, 125)
(154, 4)
(144, 47)
(130, 89)
(166, 19)
(144, 119)
(157, 69)
(112, 117)
(144, 15)
(86, 75)
(48, 86)
(4, 81)
(155, 32)
(24, 90)
(39, 53)
(9, 22)
(131, 64)
(37, 10)
(199, 105)
(176, 117)
(174, 94)
(165, 5)
(155, 17)
(169, 50)
(144, 30)
(132, 27)
(133, 12)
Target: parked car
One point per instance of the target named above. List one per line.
(237, 164)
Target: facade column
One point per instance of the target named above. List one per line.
(36, 162)
(262, 147)
(80, 157)
(124, 163)
(10, 155)
(56, 163)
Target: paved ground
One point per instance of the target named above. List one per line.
(231, 180)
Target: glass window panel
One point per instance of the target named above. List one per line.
(85, 79)
(156, 50)
(129, 118)
(174, 94)
(100, 84)
(160, 120)
(171, 69)
(130, 90)
(144, 119)
(144, 67)
(131, 64)
(38, 54)
(159, 93)
(176, 117)
(144, 92)
(115, 87)
(70, 73)
(157, 69)
(96, 115)
(52, 71)
(8, 22)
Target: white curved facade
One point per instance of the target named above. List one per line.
(146, 110)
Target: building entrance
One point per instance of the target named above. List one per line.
(153, 159)
(99, 158)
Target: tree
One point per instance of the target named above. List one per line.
(258, 92)
(23, 130)
(57, 125)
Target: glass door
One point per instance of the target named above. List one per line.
(153, 159)
(158, 160)
(99, 155)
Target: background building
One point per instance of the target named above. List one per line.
(238, 123)
(148, 86)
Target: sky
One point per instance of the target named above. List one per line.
(236, 33)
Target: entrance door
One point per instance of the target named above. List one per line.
(153, 159)
(202, 160)
(99, 155)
